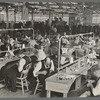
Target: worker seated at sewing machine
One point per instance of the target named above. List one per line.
(43, 68)
(67, 56)
(13, 69)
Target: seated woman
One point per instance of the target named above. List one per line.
(91, 43)
(66, 54)
(79, 51)
(93, 54)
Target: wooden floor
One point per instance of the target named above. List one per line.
(5, 93)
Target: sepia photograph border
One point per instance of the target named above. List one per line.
(69, 98)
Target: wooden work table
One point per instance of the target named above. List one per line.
(53, 84)
(63, 86)
(5, 60)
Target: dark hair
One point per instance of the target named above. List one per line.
(37, 47)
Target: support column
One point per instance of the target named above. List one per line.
(15, 15)
(7, 18)
(50, 18)
(33, 22)
(62, 14)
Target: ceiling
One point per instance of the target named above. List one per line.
(58, 7)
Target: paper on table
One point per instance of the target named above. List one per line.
(1, 85)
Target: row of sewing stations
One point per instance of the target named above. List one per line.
(11, 55)
(70, 72)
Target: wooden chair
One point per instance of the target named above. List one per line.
(38, 86)
(22, 81)
(2, 83)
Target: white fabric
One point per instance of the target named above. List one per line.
(38, 66)
(47, 41)
(1, 86)
(11, 41)
(11, 52)
(96, 90)
(97, 73)
(71, 59)
(52, 65)
(93, 54)
(32, 43)
(64, 50)
(41, 55)
(92, 43)
(63, 59)
(21, 64)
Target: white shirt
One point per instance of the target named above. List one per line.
(11, 42)
(64, 50)
(32, 43)
(63, 59)
(21, 64)
(96, 90)
(93, 54)
(38, 66)
(47, 41)
(41, 55)
(91, 43)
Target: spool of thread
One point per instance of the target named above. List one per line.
(71, 60)
(16, 39)
(8, 48)
(23, 45)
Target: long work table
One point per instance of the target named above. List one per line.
(5, 60)
(63, 86)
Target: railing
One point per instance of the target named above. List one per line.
(25, 50)
(16, 29)
(59, 58)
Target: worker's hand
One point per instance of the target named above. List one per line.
(51, 71)
(44, 72)
(89, 85)
(91, 81)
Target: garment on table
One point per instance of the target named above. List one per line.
(93, 55)
(11, 41)
(64, 50)
(91, 43)
(32, 43)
